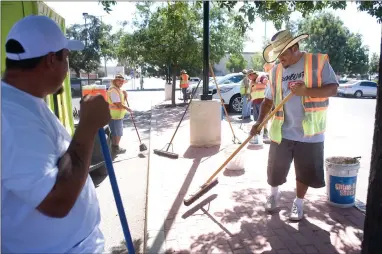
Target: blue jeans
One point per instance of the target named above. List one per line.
(116, 127)
(256, 111)
(246, 110)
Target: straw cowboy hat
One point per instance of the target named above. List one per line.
(280, 42)
(183, 71)
(244, 71)
(251, 71)
(118, 77)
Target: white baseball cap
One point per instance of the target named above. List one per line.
(39, 35)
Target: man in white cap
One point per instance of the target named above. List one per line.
(49, 203)
(297, 130)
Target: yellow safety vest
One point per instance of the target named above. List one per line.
(115, 112)
(184, 81)
(258, 90)
(315, 108)
(243, 90)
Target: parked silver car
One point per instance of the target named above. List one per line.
(358, 89)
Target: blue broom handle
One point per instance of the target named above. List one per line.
(114, 186)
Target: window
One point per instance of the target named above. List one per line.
(236, 79)
(372, 84)
(368, 84)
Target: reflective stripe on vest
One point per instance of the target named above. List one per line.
(184, 81)
(115, 112)
(315, 108)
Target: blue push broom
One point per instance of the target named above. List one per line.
(117, 196)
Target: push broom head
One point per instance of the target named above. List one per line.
(203, 190)
(166, 154)
(142, 147)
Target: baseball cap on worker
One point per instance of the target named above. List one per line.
(39, 35)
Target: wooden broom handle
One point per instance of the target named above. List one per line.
(269, 116)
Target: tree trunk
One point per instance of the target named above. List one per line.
(372, 242)
(173, 85)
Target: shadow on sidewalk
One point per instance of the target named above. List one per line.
(196, 154)
(142, 121)
(121, 249)
(169, 117)
(324, 229)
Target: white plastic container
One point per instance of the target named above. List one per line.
(257, 139)
(341, 180)
(167, 92)
(238, 161)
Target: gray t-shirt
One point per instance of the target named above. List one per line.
(293, 109)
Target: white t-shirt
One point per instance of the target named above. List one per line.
(33, 140)
(114, 96)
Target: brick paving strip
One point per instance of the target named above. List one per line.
(230, 218)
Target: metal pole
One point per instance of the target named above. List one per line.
(206, 50)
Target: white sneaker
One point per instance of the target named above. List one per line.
(297, 212)
(272, 202)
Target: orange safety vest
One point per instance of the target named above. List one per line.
(315, 108)
(115, 112)
(184, 81)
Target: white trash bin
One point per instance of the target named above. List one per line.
(238, 161)
(341, 180)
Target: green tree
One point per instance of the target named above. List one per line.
(75, 59)
(356, 55)
(257, 61)
(374, 64)
(170, 37)
(327, 34)
(236, 63)
(88, 59)
(108, 44)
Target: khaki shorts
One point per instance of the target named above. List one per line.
(308, 163)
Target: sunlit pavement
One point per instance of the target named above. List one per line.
(349, 132)
(230, 218)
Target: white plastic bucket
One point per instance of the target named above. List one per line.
(257, 139)
(341, 180)
(238, 161)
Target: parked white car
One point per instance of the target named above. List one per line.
(358, 89)
(230, 91)
(231, 96)
(223, 81)
(229, 88)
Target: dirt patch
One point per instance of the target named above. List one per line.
(343, 160)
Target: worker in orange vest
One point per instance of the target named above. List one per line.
(257, 87)
(184, 84)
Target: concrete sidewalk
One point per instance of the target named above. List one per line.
(230, 218)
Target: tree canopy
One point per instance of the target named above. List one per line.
(327, 34)
(374, 63)
(98, 43)
(236, 63)
(169, 36)
(257, 61)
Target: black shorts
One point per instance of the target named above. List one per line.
(308, 162)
